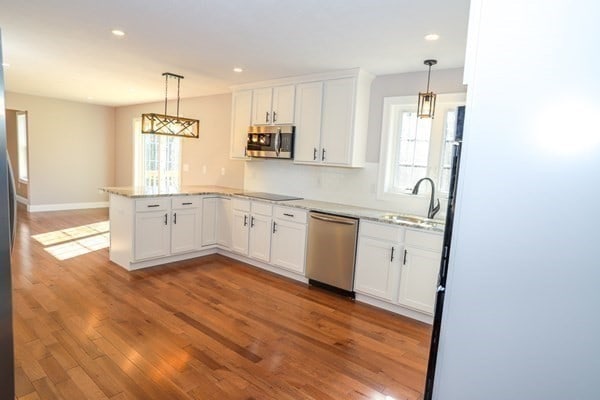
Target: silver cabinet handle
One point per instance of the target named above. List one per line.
(245, 220)
(392, 257)
(267, 116)
(404, 261)
(166, 218)
(274, 226)
(274, 116)
(315, 154)
(337, 221)
(175, 218)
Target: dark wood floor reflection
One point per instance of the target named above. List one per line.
(207, 328)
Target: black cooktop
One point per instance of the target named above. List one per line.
(269, 196)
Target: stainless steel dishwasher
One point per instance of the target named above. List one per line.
(331, 250)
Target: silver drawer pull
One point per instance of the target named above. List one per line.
(288, 215)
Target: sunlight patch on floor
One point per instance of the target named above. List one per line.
(79, 247)
(69, 234)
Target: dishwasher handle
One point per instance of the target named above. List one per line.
(344, 221)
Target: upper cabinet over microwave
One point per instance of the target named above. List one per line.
(273, 106)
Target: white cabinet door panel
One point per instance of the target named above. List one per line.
(377, 268)
(152, 235)
(418, 279)
(184, 230)
(309, 98)
(288, 245)
(260, 237)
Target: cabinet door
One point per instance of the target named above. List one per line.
(377, 268)
(209, 221)
(308, 122)
(261, 106)
(184, 230)
(336, 126)
(260, 237)
(241, 118)
(152, 235)
(224, 221)
(419, 278)
(283, 105)
(239, 232)
(288, 245)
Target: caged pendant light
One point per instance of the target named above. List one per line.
(426, 106)
(163, 124)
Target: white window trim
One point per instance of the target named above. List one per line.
(387, 148)
(138, 153)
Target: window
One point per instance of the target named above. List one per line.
(413, 148)
(22, 146)
(157, 159)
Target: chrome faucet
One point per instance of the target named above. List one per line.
(432, 209)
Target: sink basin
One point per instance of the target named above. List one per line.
(412, 219)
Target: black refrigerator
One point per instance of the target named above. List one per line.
(441, 290)
(7, 229)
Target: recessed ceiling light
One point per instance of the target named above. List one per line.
(237, 69)
(118, 32)
(432, 36)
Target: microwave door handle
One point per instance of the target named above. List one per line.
(278, 143)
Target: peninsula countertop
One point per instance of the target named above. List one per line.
(306, 204)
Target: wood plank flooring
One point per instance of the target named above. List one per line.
(207, 328)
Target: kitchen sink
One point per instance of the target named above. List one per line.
(413, 219)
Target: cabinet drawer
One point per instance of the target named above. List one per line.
(425, 240)
(262, 208)
(290, 214)
(381, 231)
(152, 204)
(181, 202)
(241, 205)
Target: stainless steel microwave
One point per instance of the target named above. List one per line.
(270, 141)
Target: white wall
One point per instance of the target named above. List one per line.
(354, 186)
(211, 149)
(522, 304)
(71, 150)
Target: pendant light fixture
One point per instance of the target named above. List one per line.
(426, 106)
(163, 124)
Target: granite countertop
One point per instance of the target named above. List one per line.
(306, 204)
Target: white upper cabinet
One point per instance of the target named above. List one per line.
(331, 121)
(273, 106)
(309, 97)
(241, 118)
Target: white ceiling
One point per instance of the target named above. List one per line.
(65, 49)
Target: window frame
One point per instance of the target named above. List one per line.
(392, 109)
(139, 151)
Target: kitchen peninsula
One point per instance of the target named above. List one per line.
(396, 262)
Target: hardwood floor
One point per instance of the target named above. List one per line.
(207, 328)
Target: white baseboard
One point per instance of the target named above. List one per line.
(22, 200)
(66, 206)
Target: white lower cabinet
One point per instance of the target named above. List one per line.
(420, 270)
(224, 222)
(209, 221)
(251, 228)
(288, 244)
(397, 265)
(152, 234)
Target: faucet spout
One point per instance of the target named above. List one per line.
(433, 206)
